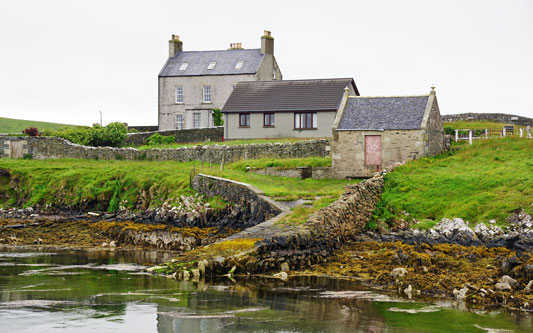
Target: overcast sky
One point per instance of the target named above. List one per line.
(63, 61)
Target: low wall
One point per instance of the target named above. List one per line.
(53, 147)
(181, 136)
(497, 117)
(144, 128)
(252, 200)
(301, 172)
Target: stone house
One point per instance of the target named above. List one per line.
(285, 109)
(193, 83)
(374, 133)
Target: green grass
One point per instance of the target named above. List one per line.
(478, 125)
(300, 213)
(281, 163)
(104, 185)
(489, 180)
(227, 143)
(16, 126)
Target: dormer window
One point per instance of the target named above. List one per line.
(211, 65)
(184, 66)
(239, 64)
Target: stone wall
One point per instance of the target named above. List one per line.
(144, 128)
(52, 147)
(182, 136)
(252, 200)
(301, 172)
(497, 117)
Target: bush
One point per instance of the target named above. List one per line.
(217, 117)
(31, 131)
(112, 135)
(158, 139)
(449, 130)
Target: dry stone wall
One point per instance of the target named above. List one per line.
(52, 147)
(181, 136)
(497, 117)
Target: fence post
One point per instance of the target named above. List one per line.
(470, 136)
(456, 135)
(503, 131)
(486, 133)
(521, 132)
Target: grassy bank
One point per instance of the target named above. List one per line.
(106, 185)
(463, 124)
(8, 125)
(489, 180)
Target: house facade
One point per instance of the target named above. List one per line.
(373, 133)
(193, 83)
(285, 109)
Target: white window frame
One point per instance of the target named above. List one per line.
(206, 94)
(180, 121)
(301, 120)
(184, 66)
(196, 122)
(179, 95)
(239, 64)
(211, 65)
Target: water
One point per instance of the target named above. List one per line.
(106, 291)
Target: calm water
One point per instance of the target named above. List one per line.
(107, 291)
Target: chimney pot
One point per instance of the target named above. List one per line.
(175, 46)
(267, 43)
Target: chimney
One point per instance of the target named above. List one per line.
(432, 92)
(175, 46)
(235, 46)
(267, 43)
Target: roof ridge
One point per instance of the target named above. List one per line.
(299, 80)
(218, 50)
(395, 96)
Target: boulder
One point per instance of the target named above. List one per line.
(398, 272)
(509, 280)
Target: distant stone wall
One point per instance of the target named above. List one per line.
(301, 172)
(53, 147)
(252, 200)
(144, 128)
(497, 117)
(181, 136)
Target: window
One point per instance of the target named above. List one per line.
(239, 64)
(184, 66)
(268, 119)
(211, 65)
(179, 95)
(179, 121)
(244, 119)
(207, 94)
(196, 120)
(305, 120)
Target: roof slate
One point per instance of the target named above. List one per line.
(289, 95)
(225, 62)
(384, 113)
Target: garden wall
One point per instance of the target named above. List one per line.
(181, 136)
(53, 147)
(497, 117)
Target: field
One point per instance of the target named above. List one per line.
(490, 125)
(16, 126)
(489, 180)
(226, 143)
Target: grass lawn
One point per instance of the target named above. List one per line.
(479, 125)
(16, 126)
(105, 185)
(489, 180)
(226, 143)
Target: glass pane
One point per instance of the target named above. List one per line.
(296, 120)
(247, 120)
(308, 121)
(315, 120)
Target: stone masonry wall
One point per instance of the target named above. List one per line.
(181, 136)
(253, 200)
(52, 147)
(497, 117)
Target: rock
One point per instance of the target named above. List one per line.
(282, 276)
(285, 267)
(460, 294)
(202, 264)
(398, 272)
(502, 286)
(425, 269)
(492, 221)
(509, 280)
(529, 287)
(195, 274)
(408, 291)
(112, 244)
(93, 214)
(455, 229)
(104, 244)
(186, 275)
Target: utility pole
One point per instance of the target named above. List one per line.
(100, 117)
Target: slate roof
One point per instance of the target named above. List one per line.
(225, 62)
(288, 95)
(384, 113)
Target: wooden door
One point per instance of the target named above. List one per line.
(15, 150)
(373, 150)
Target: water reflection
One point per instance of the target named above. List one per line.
(79, 291)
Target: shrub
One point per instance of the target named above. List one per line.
(217, 117)
(158, 139)
(112, 135)
(31, 131)
(449, 130)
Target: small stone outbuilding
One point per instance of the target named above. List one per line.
(373, 133)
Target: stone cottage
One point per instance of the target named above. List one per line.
(285, 109)
(193, 83)
(373, 133)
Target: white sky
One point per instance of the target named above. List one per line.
(62, 61)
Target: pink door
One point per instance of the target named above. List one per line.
(373, 150)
